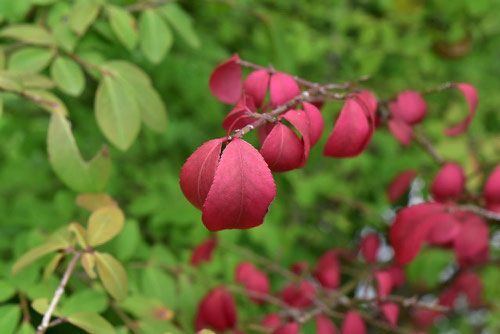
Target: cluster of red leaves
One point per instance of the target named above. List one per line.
(409, 108)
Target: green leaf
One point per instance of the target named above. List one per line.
(181, 22)
(9, 81)
(95, 201)
(65, 37)
(41, 305)
(428, 266)
(2, 59)
(68, 75)
(117, 112)
(33, 80)
(26, 328)
(28, 33)
(142, 306)
(30, 59)
(88, 263)
(151, 106)
(84, 12)
(124, 26)
(158, 284)
(85, 300)
(155, 36)
(7, 290)
(49, 268)
(490, 276)
(67, 162)
(113, 275)
(125, 244)
(9, 318)
(91, 322)
(104, 224)
(128, 71)
(48, 101)
(52, 245)
(80, 233)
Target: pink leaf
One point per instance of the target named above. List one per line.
(324, 325)
(242, 190)
(391, 312)
(238, 117)
(198, 172)
(327, 271)
(397, 275)
(401, 131)
(384, 283)
(409, 107)
(470, 94)
(491, 191)
(282, 149)
(300, 121)
(217, 310)
(445, 229)
(449, 183)
(472, 242)
(225, 81)
(256, 85)
(289, 328)
(263, 131)
(369, 247)
(299, 296)
(353, 324)
(299, 267)
(351, 132)
(369, 103)
(283, 88)
(400, 184)
(272, 320)
(254, 280)
(203, 252)
(315, 120)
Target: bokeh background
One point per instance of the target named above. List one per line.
(403, 44)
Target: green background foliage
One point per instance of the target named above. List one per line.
(403, 44)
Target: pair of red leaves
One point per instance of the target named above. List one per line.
(299, 295)
(233, 190)
(203, 252)
(410, 108)
(255, 281)
(227, 85)
(217, 311)
(467, 233)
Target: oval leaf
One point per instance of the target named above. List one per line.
(68, 76)
(155, 36)
(104, 224)
(123, 25)
(282, 149)
(91, 322)
(113, 275)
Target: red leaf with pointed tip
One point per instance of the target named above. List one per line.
(471, 243)
(445, 229)
(272, 320)
(217, 311)
(369, 247)
(391, 312)
(198, 172)
(327, 271)
(401, 131)
(315, 120)
(369, 102)
(409, 107)
(324, 325)
(449, 183)
(238, 117)
(203, 252)
(491, 191)
(470, 94)
(253, 279)
(351, 132)
(256, 85)
(400, 184)
(263, 131)
(242, 190)
(410, 228)
(353, 324)
(225, 81)
(299, 296)
(384, 283)
(300, 121)
(283, 88)
(290, 328)
(282, 149)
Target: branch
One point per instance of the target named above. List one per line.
(58, 294)
(427, 145)
(480, 211)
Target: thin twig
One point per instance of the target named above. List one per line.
(480, 211)
(129, 323)
(58, 294)
(427, 145)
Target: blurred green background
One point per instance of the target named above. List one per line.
(403, 44)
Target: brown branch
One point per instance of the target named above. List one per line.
(143, 5)
(427, 145)
(23, 303)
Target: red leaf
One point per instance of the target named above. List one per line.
(238, 117)
(369, 103)
(272, 320)
(300, 121)
(351, 132)
(391, 312)
(409, 107)
(324, 325)
(315, 120)
(253, 279)
(263, 131)
(445, 229)
(400, 185)
(283, 88)
(449, 183)
(290, 328)
(469, 284)
(470, 94)
(471, 243)
(242, 190)
(256, 85)
(401, 131)
(397, 275)
(369, 247)
(327, 271)
(410, 228)
(384, 283)
(282, 149)
(217, 310)
(198, 172)
(225, 81)
(299, 267)
(299, 296)
(203, 252)
(353, 324)
(491, 191)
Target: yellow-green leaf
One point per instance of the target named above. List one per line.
(91, 322)
(47, 101)
(117, 113)
(81, 235)
(95, 201)
(113, 275)
(88, 263)
(49, 268)
(128, 71)
(104, 224)
(28, 33)
(30, 59)
(155, 36)
(33, 80)
(41, 305)
(83, 13)
(124, 26)
(9, 82)
(181, 22)
(10, 315)
(52, 245)
(68, 75)
(67, 162)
